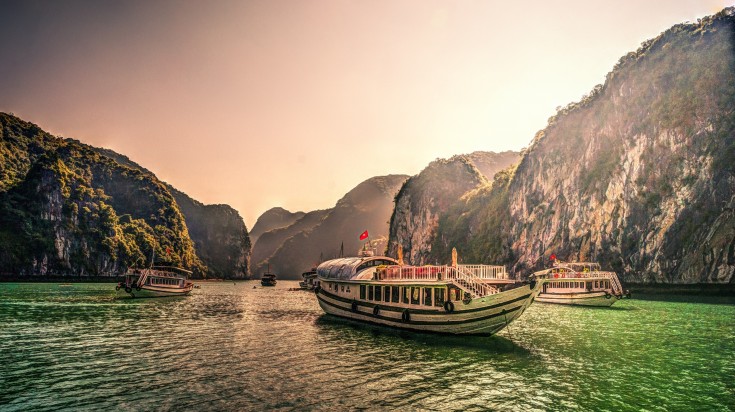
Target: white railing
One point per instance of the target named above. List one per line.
(485, 271)
(614, 281)
(469, 278)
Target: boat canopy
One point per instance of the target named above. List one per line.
(348, 268)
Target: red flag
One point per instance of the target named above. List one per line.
(553, 256)
(168, 250)
(364, 235)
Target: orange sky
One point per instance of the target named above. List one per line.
(292, 103)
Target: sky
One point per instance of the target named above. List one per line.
(288, 103)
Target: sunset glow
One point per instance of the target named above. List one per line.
(292, 103)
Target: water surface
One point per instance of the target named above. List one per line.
(239, 346)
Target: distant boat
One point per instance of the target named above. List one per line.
(309, 281)
(268, 279)
(580, 283)
(457, 299)
(155, 282)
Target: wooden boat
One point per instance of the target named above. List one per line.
(309, 280)
(457, 299)
(155, 282)
(268, 279)
(580, 283)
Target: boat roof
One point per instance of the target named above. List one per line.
(348, 268)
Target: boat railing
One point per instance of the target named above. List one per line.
(612, 276)
(485, 271)
(469, 278)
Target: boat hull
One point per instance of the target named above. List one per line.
(482, 316)
(599, 299)
(154, 292)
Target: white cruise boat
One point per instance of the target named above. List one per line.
(309, 281)
(580, 283)
(458, 299)
(155, 282)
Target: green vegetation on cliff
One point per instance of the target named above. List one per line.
(638, 175)
(69, 208)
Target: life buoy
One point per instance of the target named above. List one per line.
(354, 306)
(449, 306)
(137, 288)
(117, 287)
(128, 289)
(376, 310)
(607, 295)
(406, 315)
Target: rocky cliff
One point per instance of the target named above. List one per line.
(68, 208)
(638, 175)
(269, 242)
(366, 207)
(220, 237)
(425, 197)
(271, 219)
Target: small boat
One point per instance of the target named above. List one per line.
(456, 299)
(154, 282)
(580, 283)
(268, 279)
(310, 280)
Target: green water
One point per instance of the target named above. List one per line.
(245, 347)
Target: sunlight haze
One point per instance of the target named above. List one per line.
(259, 104)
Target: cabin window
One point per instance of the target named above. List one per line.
(427, 296)
(439, 297)
(378, 295)
(406, 291)
(348, 288)
(370, 293)
(362, 292)
(415, 296)
(596, 285)
(386, 294)
(343, 288)
(394, 294)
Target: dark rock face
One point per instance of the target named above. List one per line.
(366, 207)
(68, 208)
(639, 175)
(220, 237)
(431, 193)
(271, 219)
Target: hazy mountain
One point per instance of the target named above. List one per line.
(270, 241)
(273, 218)
(425, 197)
(639, 175)
(69, 208)
(366, 207)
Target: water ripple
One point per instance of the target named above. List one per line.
(235, 347)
